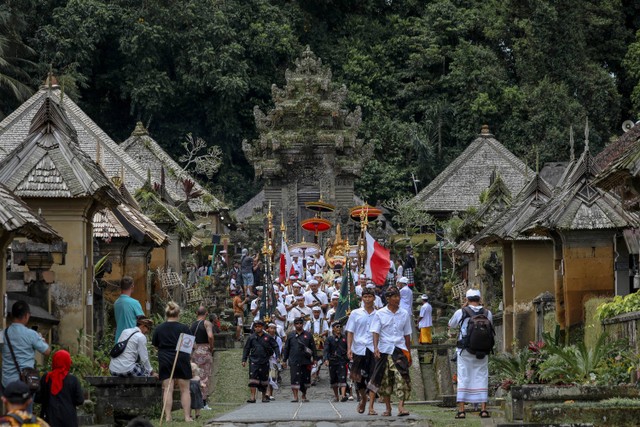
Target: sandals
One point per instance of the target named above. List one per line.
(251, 401)
(372, 413)
(305, 400)
(403, 414)
(461, 415)
(484, 414)
(361, 405)
(344, 399)
(267, 400)
(386, 414)
(294, 401)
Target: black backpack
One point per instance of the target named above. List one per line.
(119, 348)
(479, 339)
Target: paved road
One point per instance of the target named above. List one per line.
(320, 410)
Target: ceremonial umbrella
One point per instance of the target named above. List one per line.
(317, 225)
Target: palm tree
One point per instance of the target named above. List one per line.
(13, 53)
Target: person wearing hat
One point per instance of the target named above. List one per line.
(299, 310)
(314, 298)
(319, 328)
(406, 295)
(134, 360)
(299, 353)
(360, 348)
(290, 300)
(246, 271)
(333, 306)
(473, 373)
(377, 300)
(391, 329)
(258, 349)
(274, 362)
(424, 320)
(255, 306)
(60, 392)
(335, 357)
(16, 397)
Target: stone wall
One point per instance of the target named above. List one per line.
(624, 327)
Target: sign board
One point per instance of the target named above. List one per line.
(185, 343)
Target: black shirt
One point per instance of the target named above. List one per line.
(295, 349)
(335, 350)
(258, 349)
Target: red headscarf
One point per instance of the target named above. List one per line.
(60, 365)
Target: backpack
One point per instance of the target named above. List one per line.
(479, 339)
(16, 419)
(119, 348)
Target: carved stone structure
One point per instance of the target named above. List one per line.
(308, 147)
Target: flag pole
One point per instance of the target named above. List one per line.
(173, 368)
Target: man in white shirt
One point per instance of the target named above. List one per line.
(360, 348)
(391, 329)
(319, 328)
(314, 298)
(299, 310)
(255, 304)
(424, 321)
(134, 361)
(406, 295)
(333, 306)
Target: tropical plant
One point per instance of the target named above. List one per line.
(519, 368)
(574, 364)
(619, 305)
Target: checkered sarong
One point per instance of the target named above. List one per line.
(137, 371)
(408, 273)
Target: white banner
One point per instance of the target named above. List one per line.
(185, 343)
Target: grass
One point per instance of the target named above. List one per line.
(444, 417)
(229, 390)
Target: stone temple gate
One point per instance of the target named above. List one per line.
(308, 147)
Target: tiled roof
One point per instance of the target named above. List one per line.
(579, 205)
(92, 140)
(510, 224)
(459, 186)
(127, 221)
(16, 216)
(50, 163)
(146, 151)
(620, 160)
(498, 200)
(250, 208)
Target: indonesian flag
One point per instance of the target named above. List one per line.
(286, 263)
(377, 265)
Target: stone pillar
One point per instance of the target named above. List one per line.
(543, 303)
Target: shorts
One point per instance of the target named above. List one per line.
(247, 279)
(239, 321)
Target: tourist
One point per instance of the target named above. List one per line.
(246, 270)
(299, 352)
(360, 348)
(335, 357)
(134, 360)
(424, 321)
(473, 373)
(22, 342)
(195, 391)
(60, 392)
(126, 308)
(257, 272)
(215, 323)
(391, 329)
(202, 353)
(258, 350)
(238, 313)
(166, 338)
(16, 397)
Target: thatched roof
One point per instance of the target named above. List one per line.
(50, 163)
(619, 161)
(127, 221)
(17, 217)
(459, 186)
(147, 152)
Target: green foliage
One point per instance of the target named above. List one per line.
(619, 305)
(574, 364)
(409, 218)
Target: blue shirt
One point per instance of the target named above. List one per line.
(126, 310)
(25, 343)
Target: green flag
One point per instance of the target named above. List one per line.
(348, 299)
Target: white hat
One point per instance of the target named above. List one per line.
(425, 297)
(299, 296)
(293, 277)
(259, 288)
(473, 293)
(335, 295)
(370, 285)
(318, 275)
(404, 280)
(316, 308)
(313, 282)
(296, 285)
(337, 279)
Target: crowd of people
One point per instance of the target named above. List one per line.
(367, 353)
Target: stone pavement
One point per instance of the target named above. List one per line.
(320, 411)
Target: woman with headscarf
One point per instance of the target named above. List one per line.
(165, 339)
(60, 393)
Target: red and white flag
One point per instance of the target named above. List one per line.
(286, 263)
(377, 265)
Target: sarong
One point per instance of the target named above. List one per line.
(338, 374)
(259, 376)
(473, 378)
(361, 369)
(391, 373)
(408, 273)
(201, 356)
(301, 377)
(425, 335)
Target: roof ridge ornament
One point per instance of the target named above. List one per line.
(572, 155)
(484, 131)
(586, 135)
(140, 130)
